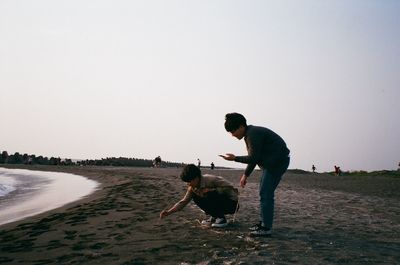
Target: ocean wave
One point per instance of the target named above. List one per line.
(38, 191)
(6, 189)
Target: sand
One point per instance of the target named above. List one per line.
(320, 219)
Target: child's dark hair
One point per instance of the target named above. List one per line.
(233, 121)
(190, 172)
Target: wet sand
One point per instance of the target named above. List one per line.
(320, 219)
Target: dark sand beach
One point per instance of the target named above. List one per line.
(320, 219)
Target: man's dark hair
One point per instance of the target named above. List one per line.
(190, 172)
(233, 121)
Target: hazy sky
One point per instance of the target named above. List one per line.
(93, 79)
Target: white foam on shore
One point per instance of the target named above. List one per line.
(6, 189)
(58, 189)
(7, 185)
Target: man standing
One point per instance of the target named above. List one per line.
(267, 150)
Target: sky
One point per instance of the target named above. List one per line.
(101, 78)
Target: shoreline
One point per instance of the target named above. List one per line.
(320, 219)
(41, 191)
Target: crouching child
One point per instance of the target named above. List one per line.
(213, 194)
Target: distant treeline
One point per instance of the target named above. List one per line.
(26, 159)
(125, 162)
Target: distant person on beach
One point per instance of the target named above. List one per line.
(157, 162)
(213, 194)
(338, 172)
(267, 150)
(198, 162)
(313, 168)
(212, 166)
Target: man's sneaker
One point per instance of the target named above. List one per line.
(220, 222)
(255, 227)
(262, 231)
(208, 221)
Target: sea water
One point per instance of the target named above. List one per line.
(5, 189)
(25, 193)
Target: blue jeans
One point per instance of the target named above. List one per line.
(269, 182)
